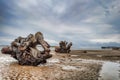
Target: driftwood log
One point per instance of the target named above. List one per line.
(63, 47)
(24, 50)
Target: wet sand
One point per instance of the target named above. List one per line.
(110, 55)
(59, 67)
(77, 65)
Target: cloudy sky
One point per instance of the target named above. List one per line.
(86, 23)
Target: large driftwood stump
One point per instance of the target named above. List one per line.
(25, 51)
(63, 47)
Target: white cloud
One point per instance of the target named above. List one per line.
(26, 4)
(60, 9)
(6, 39)
(51, 41)
(107, 38)
(15, 31)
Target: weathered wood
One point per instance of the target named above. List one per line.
(63, 47)
(25, 51)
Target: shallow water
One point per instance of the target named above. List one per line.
(110, 71)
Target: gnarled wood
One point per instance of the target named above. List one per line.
(63, 47)
(25, 51)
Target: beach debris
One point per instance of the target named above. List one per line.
(25, 49)
(63, 47)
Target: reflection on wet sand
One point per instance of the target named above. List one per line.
(110, 71)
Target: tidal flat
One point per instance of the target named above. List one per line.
(77, 65)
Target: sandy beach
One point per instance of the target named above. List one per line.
(104, 54)
(77, 65)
